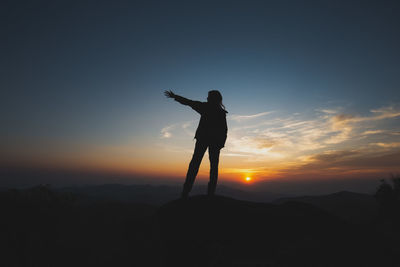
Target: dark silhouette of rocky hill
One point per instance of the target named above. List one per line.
(158, 194)
(226, 232)
(354, 207)
(149, 194)
(45, 227)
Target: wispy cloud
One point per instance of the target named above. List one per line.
(240, 118)
(387, 145)
(290, 138)
(176, 129)
(166, 131)
(385, 113)
(369, 132)
(348, 162)
(337, 139)
(331, 156)
(188, 128)
(327, 111)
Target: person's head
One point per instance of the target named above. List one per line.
(215, 97)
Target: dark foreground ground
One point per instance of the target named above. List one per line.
(40, 227)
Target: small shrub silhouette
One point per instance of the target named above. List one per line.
(388, 198)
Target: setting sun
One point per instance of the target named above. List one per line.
(248, 179)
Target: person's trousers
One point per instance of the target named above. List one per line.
(199, 150)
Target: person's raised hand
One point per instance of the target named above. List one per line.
(169, 94)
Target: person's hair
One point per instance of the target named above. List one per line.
(215, 97)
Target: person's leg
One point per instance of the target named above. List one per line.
(213, 153)
(194, 165)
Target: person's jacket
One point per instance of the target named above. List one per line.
(212, 127)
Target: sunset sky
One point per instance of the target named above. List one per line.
(312, 87)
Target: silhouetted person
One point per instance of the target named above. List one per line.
(211, 133)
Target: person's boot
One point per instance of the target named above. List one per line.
(185, 191)
(211, 190)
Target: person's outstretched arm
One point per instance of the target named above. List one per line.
(196, 105)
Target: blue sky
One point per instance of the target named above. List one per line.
(78, 75)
